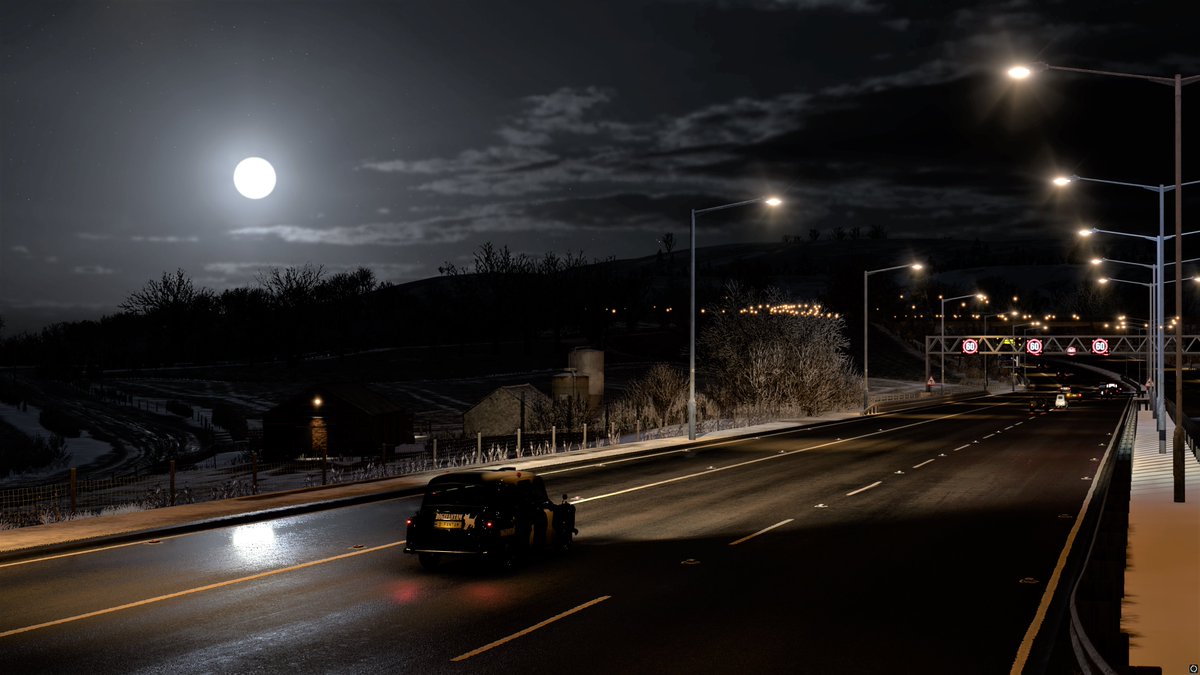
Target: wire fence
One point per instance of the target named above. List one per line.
(194, 479)
(201, 477)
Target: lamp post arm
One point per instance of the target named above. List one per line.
(1111, 73)
(886, 269)
(729, 206)
(1126, 234)
(1152, 188)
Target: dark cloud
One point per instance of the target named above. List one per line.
(406, 135)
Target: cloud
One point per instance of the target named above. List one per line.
(232, 274)
(23, 250)
(154, 239)
(491, 159)
(93, 236)
(93, 270)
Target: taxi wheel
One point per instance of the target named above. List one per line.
(505, 558)
(429, 561)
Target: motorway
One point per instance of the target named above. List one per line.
(912, 542)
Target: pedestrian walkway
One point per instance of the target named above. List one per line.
(1161, 609)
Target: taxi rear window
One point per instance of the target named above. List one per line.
(468, 494)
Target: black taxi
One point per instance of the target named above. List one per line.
(496, 514)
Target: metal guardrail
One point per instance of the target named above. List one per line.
(1088, 654)
(897, 402)
(1191, 430)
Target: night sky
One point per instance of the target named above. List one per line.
(405, 134)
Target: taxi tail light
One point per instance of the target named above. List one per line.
(408, 521)
(489, 524)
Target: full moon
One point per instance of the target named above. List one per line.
(254, 177)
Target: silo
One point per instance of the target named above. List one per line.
(590, 363)
(569, 384)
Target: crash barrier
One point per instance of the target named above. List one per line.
(899, 402)
(1095, 608)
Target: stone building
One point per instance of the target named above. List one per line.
(503, 411)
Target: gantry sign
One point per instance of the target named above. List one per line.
(1052, 345)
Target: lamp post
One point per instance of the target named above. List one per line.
(1013, 314)
(942, 332)
(1157, 281)
(769, 201)
(1017, 355)
(1178, 82)
(867, 320)
(1154, 334)
(1158, 274)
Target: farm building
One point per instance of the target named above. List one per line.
(339, 419)
(504, 410)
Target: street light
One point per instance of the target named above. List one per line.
(942, 335)
(866, 321)
(769, 201)
(1178, 82)
(1017, 355)
(1013, 313)
(1156, 288)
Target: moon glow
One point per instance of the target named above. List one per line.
(254, 177)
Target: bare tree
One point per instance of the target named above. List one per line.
(667, 242)
(774, 355)
(173, 292)
(291, 287)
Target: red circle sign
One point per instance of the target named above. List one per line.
(1033, 346)
(1099, 346)
(970, 346)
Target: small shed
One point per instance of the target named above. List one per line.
(336, 419)
(505, 410)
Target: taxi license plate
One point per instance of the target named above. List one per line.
(448, 524)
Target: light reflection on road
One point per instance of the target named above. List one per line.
(255, 543)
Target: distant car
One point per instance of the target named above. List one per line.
(498, 515)
(1060, 400)
(1039, 403)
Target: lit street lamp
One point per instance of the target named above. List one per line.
(942, 334)
(769, 201)
(1013, 314)
(866, 321)
(1157, 274)
(1021, 72)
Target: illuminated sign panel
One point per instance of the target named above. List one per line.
(1100, 346)
(1033, 346)
(970, 346)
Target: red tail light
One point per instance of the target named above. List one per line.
(489, 525)
(408, 521)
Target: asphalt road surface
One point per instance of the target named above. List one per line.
(917, 542)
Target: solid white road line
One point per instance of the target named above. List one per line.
(200, 589)
(762, 531)
(864, 489)
(527, 631)
(917, 466)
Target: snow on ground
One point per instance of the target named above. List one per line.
(83, 450)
